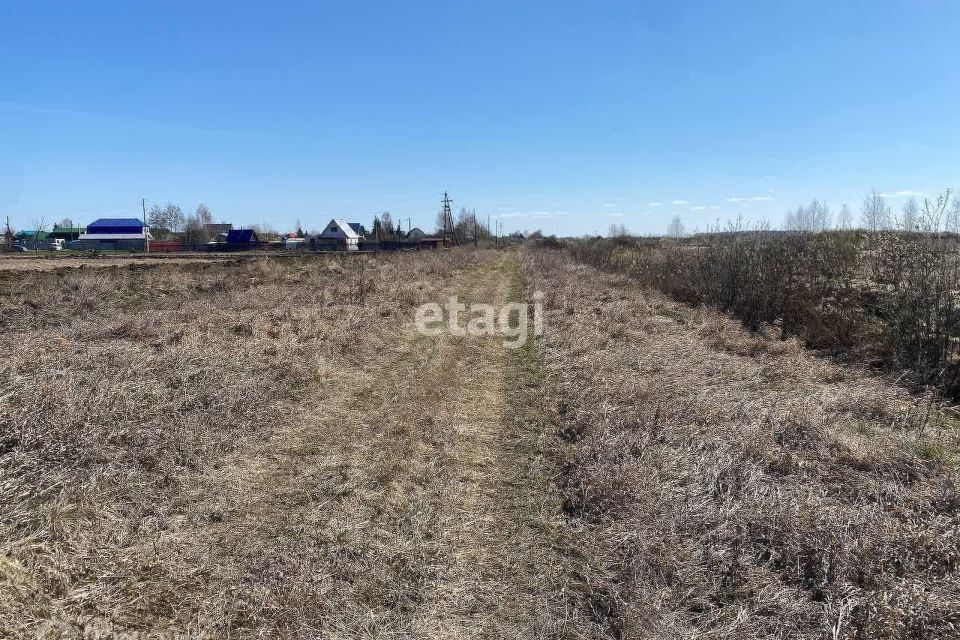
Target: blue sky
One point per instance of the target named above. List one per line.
(565, 116)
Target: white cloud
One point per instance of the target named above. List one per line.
(750, 199)
(610, 204)
(698, 208)
(901, 194)
(679, 202)
(615, 215)
(654, 204)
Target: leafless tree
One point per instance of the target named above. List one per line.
(386, 225)
(875, 213)
(845, 217)
(203, 215)
(618, 230)
(65, 223)
(953, 216)
(933, 217)
(676, 229)
(468, 228)
(909, 219)
(193, 231)
(814, 217)
(169, 217)
(265, 232)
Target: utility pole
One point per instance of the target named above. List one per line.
(143, 205)
(448, 229)
(408, 226)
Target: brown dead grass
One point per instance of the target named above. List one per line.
(53, 261)
(723, 484)
(256, 449)
(263, 448)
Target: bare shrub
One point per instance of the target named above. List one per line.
(884, 297)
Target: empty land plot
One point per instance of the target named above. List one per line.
(269, 448)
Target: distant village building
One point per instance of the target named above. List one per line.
(67, 233)
(434, 242)
(28, 236)
(114, 234)
(416, 234)
(358, 228)
(336, 236)
(37, 240)
(214, 229)
(242, 238)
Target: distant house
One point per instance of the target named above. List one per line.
(336, 236)
(434, 242)
(36, 240)
(294, 243)
(114, 234)
(242, 238)
(416, 234)
(214, 229)
(67, 233)
(358, 228)
(30, 235)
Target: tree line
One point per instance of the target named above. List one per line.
(170, 219)
(875, 214)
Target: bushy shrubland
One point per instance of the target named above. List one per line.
(887, 297)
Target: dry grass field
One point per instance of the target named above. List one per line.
(267, 448)
(54, 262)
(722, 484)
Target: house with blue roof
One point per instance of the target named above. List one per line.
(114, 234)
(242, 239)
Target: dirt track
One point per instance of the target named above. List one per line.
(413, 470)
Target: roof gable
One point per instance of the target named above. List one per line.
(125, 222)
(116, 225)
(238, 236)
(338, 229)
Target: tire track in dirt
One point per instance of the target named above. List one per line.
(415, 504)
(488, 541)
